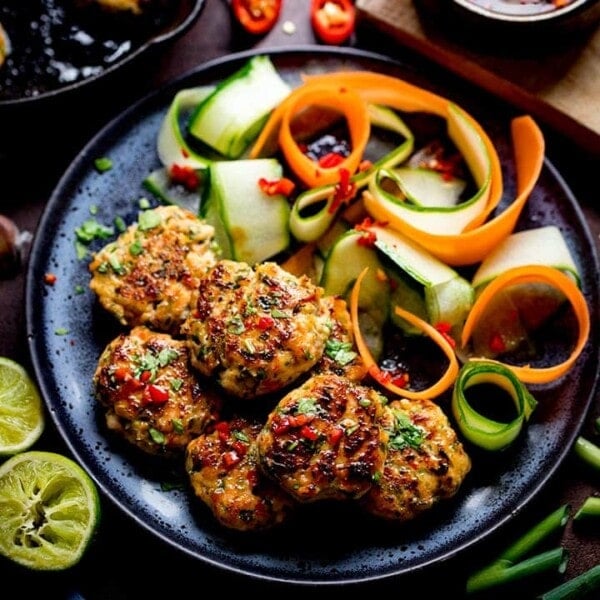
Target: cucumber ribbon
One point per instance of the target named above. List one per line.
(480, 430)
(309, 227)
(172, 146)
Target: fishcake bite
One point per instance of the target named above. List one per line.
(323, 442)
(223, 469)
(150, 274)
(256, 329)
(426, 462)
(153, 398)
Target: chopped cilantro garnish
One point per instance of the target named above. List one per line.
(341, 352)
(405, 433)
(91, 230)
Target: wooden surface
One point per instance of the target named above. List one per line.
(559, 83)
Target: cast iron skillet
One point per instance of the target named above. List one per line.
(325, 544)
(58, 49)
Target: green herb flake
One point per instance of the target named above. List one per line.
(307, 406)
(405, 433)
(79, 289)
(236, 325)
(61, 331)
(176, 384)
(120, 224)
(103, 164)
(166, 356)
(115, 264)
(144, 203)
(340, 352)
(81, 250)
(136, 248)
(241, 436)
(93, 209)
(157, 436)
(167, 486)
(149, 219)
(91, 230)
(177, 426)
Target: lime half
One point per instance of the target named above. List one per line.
(49, 510)
(21, 410)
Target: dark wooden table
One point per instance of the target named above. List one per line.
(124, 560)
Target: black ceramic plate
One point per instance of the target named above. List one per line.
(57, 49)
(67, 332)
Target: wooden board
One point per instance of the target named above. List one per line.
(560, 86)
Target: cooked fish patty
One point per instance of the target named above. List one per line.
(426, 462)
(154, 399)
(150, 274)
(341, 356)
(323, 440)
(223, 469)
(256, 330)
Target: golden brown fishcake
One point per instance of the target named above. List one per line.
(154, 399)
(150, 274)
(223, 469)
(323, 439)
(426, 462)
(256, 330)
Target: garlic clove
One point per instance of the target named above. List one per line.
(9, 246)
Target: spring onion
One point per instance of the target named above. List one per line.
(589, 508)
(588, 452)
(512, 564)
(578, 588)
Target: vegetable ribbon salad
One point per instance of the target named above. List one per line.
(341, 256)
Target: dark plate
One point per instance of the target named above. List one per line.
(308, 549)
(58, 49)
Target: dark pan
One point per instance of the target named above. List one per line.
(58, 50)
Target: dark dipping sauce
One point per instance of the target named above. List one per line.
(57, 43)
(491, 401)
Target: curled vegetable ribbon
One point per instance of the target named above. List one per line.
(373, 369)
(478, 429)
(356, 113)
(475, 243)
(532, 274)
(481, 234)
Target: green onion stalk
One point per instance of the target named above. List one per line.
(588, 452)
(514, 565)
(576, 588)
(590, 508)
